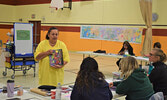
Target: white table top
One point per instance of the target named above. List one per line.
(33, 96)
(111, 55)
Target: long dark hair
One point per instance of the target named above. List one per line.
(130, 49)
(88, 75)
(52, 28)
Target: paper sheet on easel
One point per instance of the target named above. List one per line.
(57, 4)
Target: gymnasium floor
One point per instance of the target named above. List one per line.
(107, 65)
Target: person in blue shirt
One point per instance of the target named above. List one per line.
(90, 83)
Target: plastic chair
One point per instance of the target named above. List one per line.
(157, 96)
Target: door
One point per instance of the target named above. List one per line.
(36, 32)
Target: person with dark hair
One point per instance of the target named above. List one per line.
(90, 83)
(135, 85)
(158, 75)
(157, 45)
(50, 76)
(125, 50)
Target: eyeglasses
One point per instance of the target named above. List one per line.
(150, 54)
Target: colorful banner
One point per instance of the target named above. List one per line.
(111, 33)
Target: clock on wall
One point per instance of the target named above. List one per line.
(154, 16)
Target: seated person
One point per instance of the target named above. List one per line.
(90, 83)
(150, 66)
(135, 84)
(125, 50)
(158, 75)
(157, 45)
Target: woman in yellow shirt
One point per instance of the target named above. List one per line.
(50, 75)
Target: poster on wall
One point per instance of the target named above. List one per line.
(112, 33)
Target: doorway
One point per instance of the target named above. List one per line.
(36, 33)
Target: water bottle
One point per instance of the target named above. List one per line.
(10, 88)
(58, 92)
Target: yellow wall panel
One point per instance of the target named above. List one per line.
(7, 13)
(122, 12)
(82, 12)
(161, 11)
(93, 12)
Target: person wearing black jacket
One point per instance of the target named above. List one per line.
(90, 83)
(125, 50)
(158, 75)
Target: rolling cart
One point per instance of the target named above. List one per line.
(17, 63)
(20, 51)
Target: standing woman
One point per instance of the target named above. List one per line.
(50, 76)
(158, 75)
(125, 50)
(90, 83)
